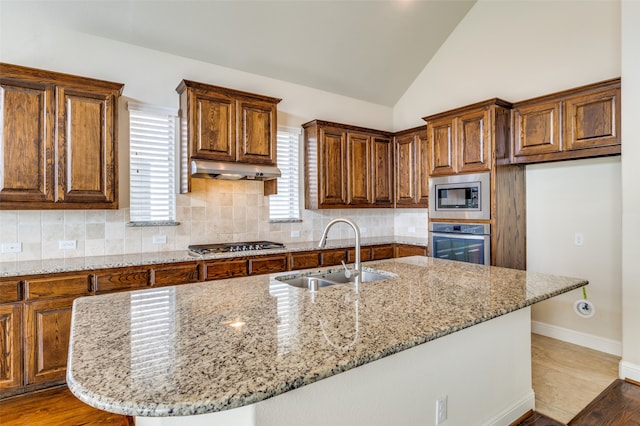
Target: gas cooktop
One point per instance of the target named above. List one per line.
(228, 247)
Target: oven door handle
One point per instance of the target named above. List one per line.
(459, 235)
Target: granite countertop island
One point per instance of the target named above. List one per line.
(212, 346)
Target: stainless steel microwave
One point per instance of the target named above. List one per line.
(460, 197)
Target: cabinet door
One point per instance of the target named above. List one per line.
(256, 127)
(62, 286)
(268, 264)
(473, 142)
(592, 120)
(87, 169)
(27, 142)
(537, 129)
(422, 169)
(121, 280)
(227, 268)
(358, 169)
(405, 170)
(10, 349)
(382, 171)
(175, 274)
(304, 260)
(47, 330)
(365, 254)
(212, 129)
(403, 250)
(382, 252)
(332, 167)
(441, 134)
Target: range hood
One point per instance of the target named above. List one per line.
(232, 171)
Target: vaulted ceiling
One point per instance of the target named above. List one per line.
(365, 49)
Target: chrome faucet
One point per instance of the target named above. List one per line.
(356, 268)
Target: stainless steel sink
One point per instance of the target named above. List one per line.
(329, 278)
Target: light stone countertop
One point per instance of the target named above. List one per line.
(213, 346)
(50, 266)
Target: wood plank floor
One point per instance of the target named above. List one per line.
(567, 377)
(55, 407)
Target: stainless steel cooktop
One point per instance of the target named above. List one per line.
(229, 247)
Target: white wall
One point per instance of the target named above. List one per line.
(515, 51)
(215, 211)
(630, 192)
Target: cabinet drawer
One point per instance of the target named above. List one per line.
(66, 286)
(130, 279)
(332, 257)
(225, 269)
(365, 254)
(175, 274)
(304, 260)
(267, 264)
(9, 291)
(403, 250)
(382, 252)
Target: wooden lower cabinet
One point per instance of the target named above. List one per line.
(268, 264)
(121, 279)
(174, 274)
(382, 252)
(304, 260)
(403, 250)
(365, 254)
(10, 348)
(225, 268)
(333, 257)
(47, 327)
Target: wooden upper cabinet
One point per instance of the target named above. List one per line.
(411, 168)
(222, 124)
(474, 145)
(359, 166)
(72, 166)
(578, 123)
(28, 144)
(347, 166)
(10, 346)
(469, 139)
(382, 171)
(211, 121)
(256, 127)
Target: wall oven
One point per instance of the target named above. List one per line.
(460, 197)
(466, 242)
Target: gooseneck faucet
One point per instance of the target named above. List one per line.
(323, 240)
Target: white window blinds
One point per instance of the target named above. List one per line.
(285, 205)
(152, 133)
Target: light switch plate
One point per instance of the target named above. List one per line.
(12, 247)
(159, 239)
(67, 244)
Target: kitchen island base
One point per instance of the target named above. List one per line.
(484, 371)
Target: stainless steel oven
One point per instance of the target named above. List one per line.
(466, 242)
(460, 197)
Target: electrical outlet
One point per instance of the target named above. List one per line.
(159, 239)
(295, 234)
(578, 239)
(441, 410)
(67, 244)
(12, 247)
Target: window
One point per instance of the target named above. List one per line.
(152, 134)
(285, 205)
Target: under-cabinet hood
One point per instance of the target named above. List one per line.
(232, 171)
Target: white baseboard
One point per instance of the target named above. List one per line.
(629, 371)
(591, 341)
(513, 413)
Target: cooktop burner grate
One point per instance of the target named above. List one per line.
(230, 247)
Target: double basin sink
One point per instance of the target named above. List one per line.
(329, 278)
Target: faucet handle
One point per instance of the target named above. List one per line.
(347, 272)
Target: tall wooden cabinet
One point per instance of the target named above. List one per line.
(229, 125)
(10, 335)
(59, 140)
(347, 166)
(411, 168)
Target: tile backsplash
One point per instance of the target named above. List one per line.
(215, 211)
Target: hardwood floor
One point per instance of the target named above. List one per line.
(55, 407)
(567, 377)
(618, 405)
